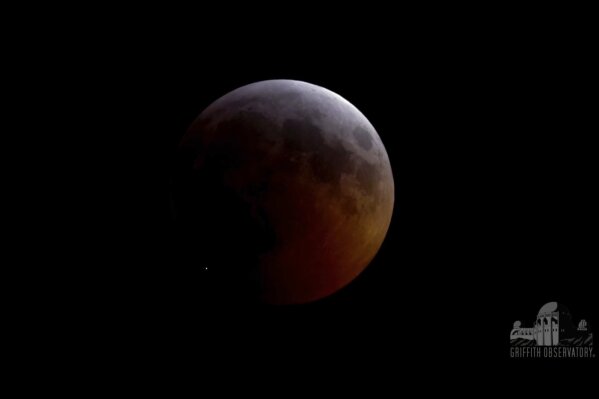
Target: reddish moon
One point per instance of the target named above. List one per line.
(294, 176)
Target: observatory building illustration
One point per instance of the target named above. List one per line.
(553, 326)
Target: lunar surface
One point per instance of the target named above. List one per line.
(290, 185)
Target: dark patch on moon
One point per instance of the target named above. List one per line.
(315, 114)
(363, 137)
(236, 144)
(302, 136)
(328, 162)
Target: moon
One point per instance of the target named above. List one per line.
(291, 186)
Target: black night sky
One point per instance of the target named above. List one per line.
(489, 134)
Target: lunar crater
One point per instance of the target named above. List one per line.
(363, 137)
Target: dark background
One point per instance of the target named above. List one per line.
(489, 131)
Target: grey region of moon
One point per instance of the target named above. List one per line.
(309, 167)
